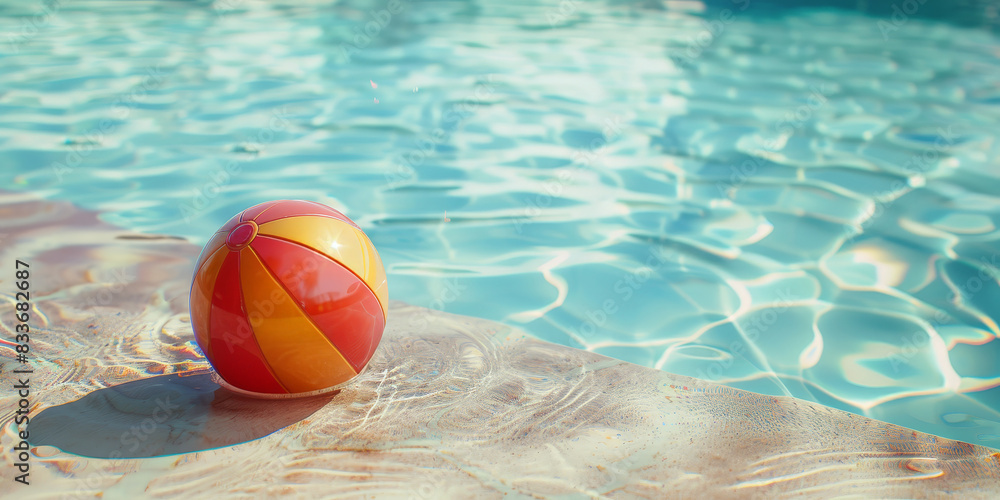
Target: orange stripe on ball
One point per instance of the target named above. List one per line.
(235, 353)
(336, 301)
(302, 358)
(217, 241)
(201, 298)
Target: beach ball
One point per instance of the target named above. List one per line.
(288, 297)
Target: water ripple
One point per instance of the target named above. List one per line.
(798, 206)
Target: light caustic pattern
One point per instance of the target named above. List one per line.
(795, 202)
(289, 297)
(453, 407)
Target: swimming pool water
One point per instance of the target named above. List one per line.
(796, 202)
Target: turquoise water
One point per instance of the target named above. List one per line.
(795, 202)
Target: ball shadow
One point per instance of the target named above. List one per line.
(164, 415)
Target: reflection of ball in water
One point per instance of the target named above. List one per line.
(288, 297)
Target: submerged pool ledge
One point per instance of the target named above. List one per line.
(450, 407)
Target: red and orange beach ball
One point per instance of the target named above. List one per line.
(289, 297)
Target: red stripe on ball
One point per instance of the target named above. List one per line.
(337, 301)
(235, 353)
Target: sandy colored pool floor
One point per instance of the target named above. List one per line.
(450, 407)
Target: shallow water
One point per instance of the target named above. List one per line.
(449, 407)
(793, 202)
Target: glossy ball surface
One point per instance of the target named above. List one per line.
(289, 297)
